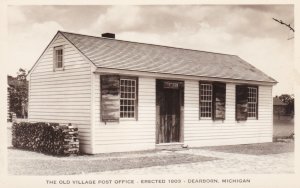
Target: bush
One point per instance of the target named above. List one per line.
(49, 138)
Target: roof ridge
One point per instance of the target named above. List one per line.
(146, 43)
(89, 46)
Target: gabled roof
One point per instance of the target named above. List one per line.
(134, 56)
(278, 102)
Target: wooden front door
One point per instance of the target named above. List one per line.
(169, 108)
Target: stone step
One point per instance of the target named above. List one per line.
(169, 146)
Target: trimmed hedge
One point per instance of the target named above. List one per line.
(49, 138)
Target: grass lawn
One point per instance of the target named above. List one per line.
(282, 128)
(22, 162)
(256, 149)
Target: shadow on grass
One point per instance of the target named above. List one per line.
(256, 149)
(68, 166)
(89, 156)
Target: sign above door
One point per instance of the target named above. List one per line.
(172, 84)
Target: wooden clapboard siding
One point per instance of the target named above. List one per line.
(62, 96)
(8, 103)
(208, 132)
(127, 135)
(73, 96)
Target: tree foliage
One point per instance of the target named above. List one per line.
(289, 100)
(18, 93)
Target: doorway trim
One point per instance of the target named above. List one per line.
(170, 84)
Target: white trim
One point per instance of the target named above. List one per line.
(42, 55)
(92, 128)
(29, 96)
(48, 47)
(128, 119)
(272, 109)
(169, 144)
(251, 118)
(59, 69)
(55, 61)
(209, 87)
(205, 118)
(177, 77)
(252, 90)
(77, 50)
(128, 99)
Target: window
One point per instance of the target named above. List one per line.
(58, 57)
(206, 100)
(219, 99)
(212, 100)
(252, 102)
(119, 97)
(246, 102)
(128, 98)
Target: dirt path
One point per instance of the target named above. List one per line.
(268, 158)
(191, 161)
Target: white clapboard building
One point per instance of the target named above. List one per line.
(127, 96)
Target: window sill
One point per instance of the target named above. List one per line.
(252, 118)
(128, 119)
(59, 69)
(203, 118)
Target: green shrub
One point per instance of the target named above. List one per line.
(50, 138)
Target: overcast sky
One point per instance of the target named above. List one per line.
(246, 31)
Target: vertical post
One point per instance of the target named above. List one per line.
(157, 123)
(181, 93)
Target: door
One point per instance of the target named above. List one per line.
(169, 106)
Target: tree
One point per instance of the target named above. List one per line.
(287, 25)
(289, 100)
(18, 93)
(283, 23)
(21, 75)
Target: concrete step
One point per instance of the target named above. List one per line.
(170, 146)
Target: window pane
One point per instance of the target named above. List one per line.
(252, 101)
(128, 93)
(205, 100)
(58, 58)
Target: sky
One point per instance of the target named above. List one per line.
(244, 30)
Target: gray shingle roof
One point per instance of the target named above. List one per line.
(125, 55)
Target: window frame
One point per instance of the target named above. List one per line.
(217, 86)
(206, 101)
(255, 112)
(135, 100)
(248, 94)
(55, 58)
(214, 90)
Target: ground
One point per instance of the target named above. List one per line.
(188, 161)
(283, 127)
(265, 158)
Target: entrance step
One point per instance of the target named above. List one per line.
(170, 146)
